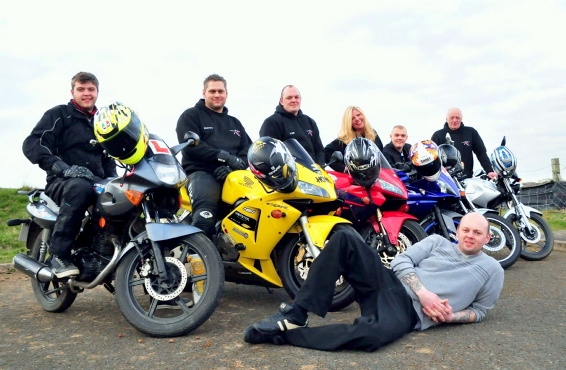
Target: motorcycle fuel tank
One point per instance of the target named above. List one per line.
(480, 192)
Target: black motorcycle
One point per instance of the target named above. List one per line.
(167, 276)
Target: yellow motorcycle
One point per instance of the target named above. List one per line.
(275, 218)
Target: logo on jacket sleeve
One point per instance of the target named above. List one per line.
(236, 132)
(310, 132)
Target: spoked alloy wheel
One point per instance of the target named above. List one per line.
(140, 292)
(293, 265)
(54, 296)
(537, 244)
(411, 232)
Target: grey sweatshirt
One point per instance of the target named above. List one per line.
(466, 281)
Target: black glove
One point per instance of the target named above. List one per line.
(79, 171)
(59, 168)
(221, 172)
(231, 160)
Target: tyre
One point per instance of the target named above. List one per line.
(411, 232)
(53, 296)
(537, 243)
(293, 263)
(139, 290)
(505, 242)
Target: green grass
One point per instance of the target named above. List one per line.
(12, 205)
(555, 218)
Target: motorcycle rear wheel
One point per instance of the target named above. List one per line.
(293, 270)
(142, 310)
(411, 232)
(535, 251)
(49, 295)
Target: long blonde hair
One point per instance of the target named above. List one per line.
(347, 133)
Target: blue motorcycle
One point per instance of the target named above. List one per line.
(440, 204)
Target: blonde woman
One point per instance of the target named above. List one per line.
(354, 124)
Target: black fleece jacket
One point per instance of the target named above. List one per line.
(217, 131)
(468, 141)
(283, 125)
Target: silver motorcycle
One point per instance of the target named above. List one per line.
(501, 194)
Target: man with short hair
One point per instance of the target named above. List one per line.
(61, 145)
(433, 282)
(222, 148)
(467, 140)
(397, 151)
(289, 121)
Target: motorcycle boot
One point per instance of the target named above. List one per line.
(63, 267)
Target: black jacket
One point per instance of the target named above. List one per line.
(217, 131)
(468, 141)
(283, 125)
(64, 133)
(337, 145)
(395, 158)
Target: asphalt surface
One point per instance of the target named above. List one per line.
(526, 330)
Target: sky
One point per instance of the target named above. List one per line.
(403, 62)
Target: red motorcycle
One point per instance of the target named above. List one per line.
(378, 211)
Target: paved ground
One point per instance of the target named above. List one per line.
(526, 330)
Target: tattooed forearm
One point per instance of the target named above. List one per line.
(466, 315)
(412, 281)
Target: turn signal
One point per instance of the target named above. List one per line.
(276, 213)
(102, 222)
(135, 197)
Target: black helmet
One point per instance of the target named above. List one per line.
(271, 163)
(363, 160)
(449, 156)
(424, 155)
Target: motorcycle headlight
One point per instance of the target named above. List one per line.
(311, 189)
(445, 188)
(167, 173)
(390, 187)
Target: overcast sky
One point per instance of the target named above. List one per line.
(403, 62)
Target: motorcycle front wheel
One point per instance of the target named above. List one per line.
(293, 264)
(537, 244)
(411, 232)
(52, 296)
(163, 307)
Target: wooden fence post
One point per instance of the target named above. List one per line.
(555, 164)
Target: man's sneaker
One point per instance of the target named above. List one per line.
(174, 305)
(63, 267)
(271, 328)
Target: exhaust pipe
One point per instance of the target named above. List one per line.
(37, 270)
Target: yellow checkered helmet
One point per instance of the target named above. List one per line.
(121, 133)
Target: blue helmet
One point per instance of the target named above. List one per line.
(503, 161)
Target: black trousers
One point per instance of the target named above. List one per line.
(74, 196)
(205, 193)
(387, 311)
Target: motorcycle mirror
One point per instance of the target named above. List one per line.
(479, 173)
(337, 156)
(503, 141)
(191, 138)
(449, 139)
